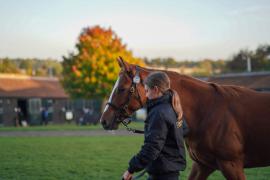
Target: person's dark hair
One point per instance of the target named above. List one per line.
(159, 79)
(162, 81)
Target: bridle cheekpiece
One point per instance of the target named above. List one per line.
(122, 114)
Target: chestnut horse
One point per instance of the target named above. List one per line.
(229, 126)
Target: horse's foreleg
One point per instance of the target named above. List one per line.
(232, 170)
(199, 172)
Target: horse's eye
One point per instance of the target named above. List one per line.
(120, 90)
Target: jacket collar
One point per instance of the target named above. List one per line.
(165, 98)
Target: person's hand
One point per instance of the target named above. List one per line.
(127, 176)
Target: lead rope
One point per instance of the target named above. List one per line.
(138, 132)
(132, 130)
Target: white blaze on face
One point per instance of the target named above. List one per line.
(110, 99)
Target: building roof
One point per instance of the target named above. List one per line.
(254, 80)
(26, 87)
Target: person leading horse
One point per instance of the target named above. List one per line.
(229, 125)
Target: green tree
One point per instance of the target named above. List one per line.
(206, 67)
(27, 65)
(262, 58)
(8, 66)
(93, 69)
(170, 62)
(238, 63)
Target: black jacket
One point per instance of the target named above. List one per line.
(163, 151)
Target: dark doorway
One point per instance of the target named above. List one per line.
(22, 104)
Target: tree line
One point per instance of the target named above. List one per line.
(31, 66)
(259, 59)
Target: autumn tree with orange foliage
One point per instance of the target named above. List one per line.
(92, 71)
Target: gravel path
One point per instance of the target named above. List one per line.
(66, 133)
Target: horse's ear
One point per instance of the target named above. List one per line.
(123, 65)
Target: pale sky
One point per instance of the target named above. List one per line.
(155, 28)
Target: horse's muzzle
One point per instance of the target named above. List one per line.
(108, 126)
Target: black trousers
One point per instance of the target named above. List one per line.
(164, 177)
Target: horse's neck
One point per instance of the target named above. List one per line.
(194, 94)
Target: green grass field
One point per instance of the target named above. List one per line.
(95, 158)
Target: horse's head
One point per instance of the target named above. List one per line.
(126, 97)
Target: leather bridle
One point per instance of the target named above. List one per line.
(122, 114)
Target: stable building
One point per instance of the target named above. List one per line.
(259, 81)
(32, 94)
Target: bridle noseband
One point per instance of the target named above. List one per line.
(122, 114)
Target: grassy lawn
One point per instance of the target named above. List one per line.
(95, 158)
(62, 127)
